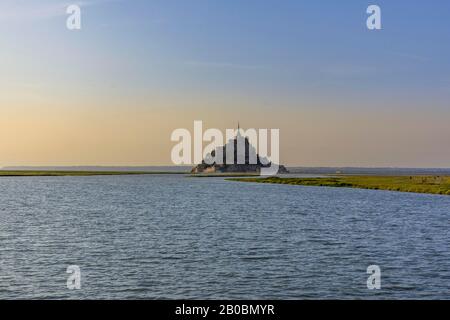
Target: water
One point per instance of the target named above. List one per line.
(165, 236)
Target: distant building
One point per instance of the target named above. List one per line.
(249, 164)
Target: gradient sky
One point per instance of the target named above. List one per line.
(112, 93)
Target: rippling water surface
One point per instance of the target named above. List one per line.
(166, 236)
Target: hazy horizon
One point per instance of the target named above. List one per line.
(169, 166)
(111, 93)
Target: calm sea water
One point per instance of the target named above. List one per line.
(168, 236)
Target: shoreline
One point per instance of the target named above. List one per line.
(43, 173)
(439, 185)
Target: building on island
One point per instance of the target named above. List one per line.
(250, 161)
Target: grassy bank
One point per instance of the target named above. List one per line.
(76, 173)
(417, 184)
(223, 175)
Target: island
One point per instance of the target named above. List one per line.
(209, 166)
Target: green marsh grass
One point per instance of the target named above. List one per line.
(26, 173)
(417, 184)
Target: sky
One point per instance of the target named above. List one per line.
(113, 92)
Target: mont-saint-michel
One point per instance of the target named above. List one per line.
(238, 155)
(141, 144)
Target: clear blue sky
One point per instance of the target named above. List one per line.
(289, 47)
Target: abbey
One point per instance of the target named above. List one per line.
(238, 155)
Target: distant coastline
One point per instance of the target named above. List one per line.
(49, 173)
(169, 169)
(294, 170)
(385, 171)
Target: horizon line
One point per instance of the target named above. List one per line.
(191, 165)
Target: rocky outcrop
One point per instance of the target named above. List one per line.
(249, 165)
